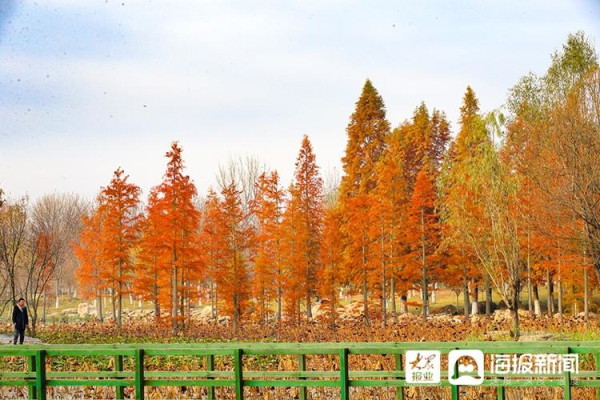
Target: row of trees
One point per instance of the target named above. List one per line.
(509, 202)
(261, 251)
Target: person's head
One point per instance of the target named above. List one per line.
(21, 302)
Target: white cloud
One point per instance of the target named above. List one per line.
(235, 78)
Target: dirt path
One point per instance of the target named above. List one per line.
(8, 339)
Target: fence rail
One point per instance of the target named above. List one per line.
(37, 377)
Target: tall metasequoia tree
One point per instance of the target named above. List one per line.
(457, 193)
(391, 197)
(367, 132)
(357, 231)
(118, 206)
(88, 249)
(332, 275)
(308, 186)
(422, 234)
(151, 282)
(293, 237)
(233, 275)
(177, 221)
(212, 242)
(422, 143)
(267, 207)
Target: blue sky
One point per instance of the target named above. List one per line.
(87, 86)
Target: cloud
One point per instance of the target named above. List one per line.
(88, 86)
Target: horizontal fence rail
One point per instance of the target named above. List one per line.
(37, 378)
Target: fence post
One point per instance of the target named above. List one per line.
(139, 374)
(302, 367)
(210, 366)
(399, 389)
(40, 374)
(31, 368)
(119, 390)
(567, 388)
(500, 390)
(454, 388)
(239, 374)
(344, 382)
(597, 358)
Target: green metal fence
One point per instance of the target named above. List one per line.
(37, 377)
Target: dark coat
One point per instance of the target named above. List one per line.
(20, 318)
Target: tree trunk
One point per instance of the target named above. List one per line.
(560, 298)
(57, 305)
(34, 325)
(467, 309)
(155, 299)
(536, 301)
(550, 287)
(529, 294)
(235, 313)
(212, 299)
(560, 287)
(586, 294)
(403, 305)
(515, 309)
(308, 307)
(44, 309)
(120, 310)
(333, 305)
(279, 304)
(182, 299)
(488, 295)
(174, 323)
(393, 297)
(383, 278)
(365, 287)
(575, 303)
(100, 311)
(475, 300)
(113, 304)
(424, 266)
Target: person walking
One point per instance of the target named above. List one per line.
(20, 320)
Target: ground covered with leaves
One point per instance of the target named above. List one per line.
(409, 328)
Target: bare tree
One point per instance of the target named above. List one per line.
(52, 227)
(331, 186)
(244, 173)
(13, 224)
(55, 221)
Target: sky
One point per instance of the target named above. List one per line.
(87, 86)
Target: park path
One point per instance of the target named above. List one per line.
(8, 339)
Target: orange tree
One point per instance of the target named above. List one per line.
(267, 207)
(232, 275)
(118, 206)
(176, 222)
